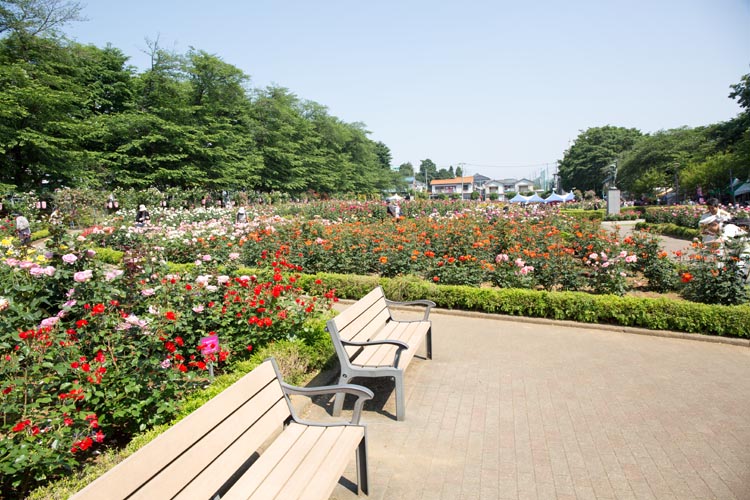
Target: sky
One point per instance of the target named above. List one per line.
(500, 88)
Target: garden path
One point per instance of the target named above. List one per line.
(515, 409)
(668, 244)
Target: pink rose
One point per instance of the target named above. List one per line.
(83, 276)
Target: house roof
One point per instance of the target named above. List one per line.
(455, 180)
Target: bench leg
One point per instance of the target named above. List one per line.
(428, 343)
(400, 405)
(338, 400)
(362, 478)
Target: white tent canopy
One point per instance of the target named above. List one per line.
(395, 197)
(553, 198)
(535, 198)
(569, 197)
(519, 199)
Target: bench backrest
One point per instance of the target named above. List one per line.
(191, 458)
(360, 321)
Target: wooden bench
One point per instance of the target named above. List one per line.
(370, 343)
(246, 442)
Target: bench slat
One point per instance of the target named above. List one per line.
(356, 309)
(325, 480)
(305, 465)
(184, 468)
(284, 469)
(213, 477)
(313, 462)
(122, 480)
(366, 325)
(411, 333)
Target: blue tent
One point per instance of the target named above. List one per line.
(553, 198)
(570, 197)
(535, 198)
(519, 199)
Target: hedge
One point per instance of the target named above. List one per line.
(650, 313)
(670, 229)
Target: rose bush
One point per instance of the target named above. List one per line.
(92, 353)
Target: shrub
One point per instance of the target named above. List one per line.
(670, 229)
(297, 360)
(661, 274)
(655, 314)
(583, 214)
(713, 277)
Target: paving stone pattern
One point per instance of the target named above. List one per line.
(518, 410)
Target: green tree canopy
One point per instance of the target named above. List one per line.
(656, 160)
(586, 164)
(427, 171)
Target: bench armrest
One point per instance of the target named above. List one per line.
(400, 346)
(398, 343)
(363, 394)
(426, 303)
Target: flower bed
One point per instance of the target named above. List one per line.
(93, 353)
(96, 348)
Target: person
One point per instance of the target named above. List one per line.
(142, 216)
(241, 215)
(23, 229)
(394, 209)
(712, 221)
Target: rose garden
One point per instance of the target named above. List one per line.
(111, 330)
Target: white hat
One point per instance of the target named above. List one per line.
(142, 207)
(241, 210)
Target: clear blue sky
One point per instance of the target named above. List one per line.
(500, 86)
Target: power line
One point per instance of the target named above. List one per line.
(511, 166)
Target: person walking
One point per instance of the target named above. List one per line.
(23, 229)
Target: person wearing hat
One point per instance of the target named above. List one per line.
(142, 216)
(712, 220)
(23, 229)
(241, 215)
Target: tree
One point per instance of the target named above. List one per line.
(384, 155)
(427, 171)
(459, 171)
(712, 175)
(444, 173)
(741, 92)
(585, 165)
(655, 161)
(43, 104)
(37, 17)
(283, 140)
(406, 170)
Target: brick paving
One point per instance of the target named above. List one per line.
(522, 410)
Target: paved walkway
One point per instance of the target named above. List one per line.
(520, 410)
(668, 243)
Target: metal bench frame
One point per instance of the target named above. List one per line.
(246, 442)
(370, 343)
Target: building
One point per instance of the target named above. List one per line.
(415, 185)
(461, 186)
(503, 186)
(465, 186)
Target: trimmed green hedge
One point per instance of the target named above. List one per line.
(653, 314)
(584, 214)
(109, 255)
(670, 229)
